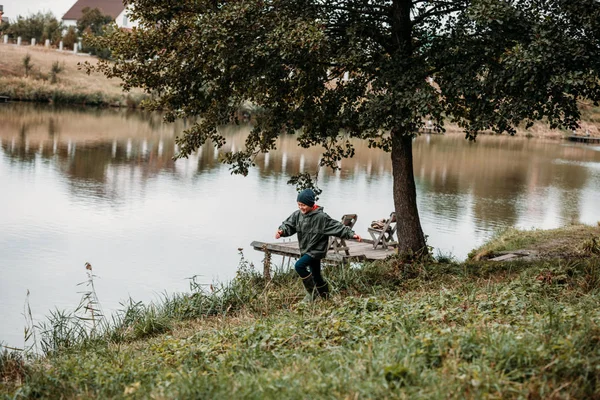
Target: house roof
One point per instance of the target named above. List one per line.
(108, 7)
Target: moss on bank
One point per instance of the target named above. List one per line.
(392, 330)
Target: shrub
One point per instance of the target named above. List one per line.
(27, 64)
(70, 38)
(56, 69)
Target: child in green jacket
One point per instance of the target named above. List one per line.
(313, 227)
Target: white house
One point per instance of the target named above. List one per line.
(114, 8)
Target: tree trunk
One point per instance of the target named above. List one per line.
(410, 233)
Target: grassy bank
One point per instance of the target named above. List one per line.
(72, 86)
(569, 242)
(427, 329)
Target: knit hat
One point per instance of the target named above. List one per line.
(307, 196)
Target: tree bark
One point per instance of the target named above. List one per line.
(409, 231)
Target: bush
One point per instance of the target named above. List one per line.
(38, 26)
(56, 69)
(70, 38)
(27, 64)
(4, 28)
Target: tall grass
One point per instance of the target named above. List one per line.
(42, 91)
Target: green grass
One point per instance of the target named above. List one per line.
(567, 242)
(392, 330)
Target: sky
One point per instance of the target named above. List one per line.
(12, 8)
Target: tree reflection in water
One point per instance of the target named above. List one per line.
(497, 178)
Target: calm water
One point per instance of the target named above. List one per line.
(99, 186)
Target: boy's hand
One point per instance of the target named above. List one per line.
(357, 237)
(278, 234)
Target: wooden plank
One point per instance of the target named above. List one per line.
(286, 248)
(504, 257)
(358, 250)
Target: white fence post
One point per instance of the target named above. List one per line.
(19, 41)
(33, 41)
(5, 39)
(75, 48)
(60, 46)
(47, 43)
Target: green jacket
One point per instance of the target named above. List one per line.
(313, 231)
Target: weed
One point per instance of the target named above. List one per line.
(89, 308)
(30, 338)
(12, 366)
(591, 246)
(445, 258)
(27, 65)
(56, 69)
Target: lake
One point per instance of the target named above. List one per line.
(99, 185)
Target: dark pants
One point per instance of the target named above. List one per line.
(306, 264)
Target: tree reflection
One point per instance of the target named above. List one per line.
(107, 151)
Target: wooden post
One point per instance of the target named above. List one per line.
(267, 264)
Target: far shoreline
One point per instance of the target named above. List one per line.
(75, 87)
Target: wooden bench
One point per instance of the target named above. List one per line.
(384, 236)
(338, 244)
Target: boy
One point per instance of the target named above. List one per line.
(313, 227)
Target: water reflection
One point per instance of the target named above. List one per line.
(104, 151)
(506, 177)
(100, 185)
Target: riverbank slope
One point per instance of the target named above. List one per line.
(73, 86)
(427, 329)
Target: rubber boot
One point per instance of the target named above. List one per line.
(323, 290)
(309, 285)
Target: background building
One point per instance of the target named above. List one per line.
(114, 8)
